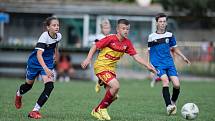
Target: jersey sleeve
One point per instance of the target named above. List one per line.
(59, 36)
(103, 42)
(172, 42)
(149, 40)
(41, 44)
(130, 49)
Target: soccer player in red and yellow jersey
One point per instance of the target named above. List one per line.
(112, 48)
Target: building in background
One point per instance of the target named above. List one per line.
(80, 20)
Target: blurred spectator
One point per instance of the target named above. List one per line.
(65, 69)
(210, 52)
(204, 47)
(105, 30)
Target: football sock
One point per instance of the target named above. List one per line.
(166, 95)
(18, 93)
(108, 99)
(175, 94)
(24, 88)
(36, 107)
(45, 94)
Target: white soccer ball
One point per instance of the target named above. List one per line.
(190, 111)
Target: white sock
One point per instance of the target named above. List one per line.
(36, 107)
(18, 93)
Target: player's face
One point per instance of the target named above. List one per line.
(123, 30)
(161, 23)
(106, 29)
(54, 26)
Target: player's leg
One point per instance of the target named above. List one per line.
(107, 88)
(176, 86)
(165, 90)
(98, 85)
(21, 91)
(176, 83)
(175, 91)
(31, 74)
(49, 85)
(112, 87)
(153, 78)
(166, 95)
(111, 92)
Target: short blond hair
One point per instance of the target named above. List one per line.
(105, 22)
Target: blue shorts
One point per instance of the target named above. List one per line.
(168, 70)
(32, 73)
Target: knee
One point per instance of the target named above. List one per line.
(116, 88)
(165, 83)
(30, 82)
(176, 86)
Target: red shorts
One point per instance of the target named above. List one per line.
(106, 76)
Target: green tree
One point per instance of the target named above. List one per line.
(126, 1)
(191, 7)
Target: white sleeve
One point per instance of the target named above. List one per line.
(41, 44)
(43, 38)
(59, 36)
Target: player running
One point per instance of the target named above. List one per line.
(112, 48)
(160, 44)
(41, 61)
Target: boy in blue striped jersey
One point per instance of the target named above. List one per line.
(160, 43)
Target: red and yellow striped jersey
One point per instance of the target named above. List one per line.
(111, 50)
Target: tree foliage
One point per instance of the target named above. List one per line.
(189, 7)
(126, 1)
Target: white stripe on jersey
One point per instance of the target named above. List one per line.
(39, 48)
(45, 38)
(155, 36)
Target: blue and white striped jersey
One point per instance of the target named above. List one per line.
(47, 44)
(159, 46)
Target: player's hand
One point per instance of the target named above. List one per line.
(85, 63)
(187, 61)
(49, 72)
(151, 68)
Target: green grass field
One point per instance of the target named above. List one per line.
(74, 101)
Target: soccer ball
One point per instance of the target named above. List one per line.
(190, 111)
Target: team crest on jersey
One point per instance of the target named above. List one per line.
(167, 40)
(124, 47)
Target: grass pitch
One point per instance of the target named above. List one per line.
(74, 101)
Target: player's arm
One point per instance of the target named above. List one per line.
(140, 60)
(147, 55)
(89, 56)
(42, 63)
(98, 45)
(178, 52)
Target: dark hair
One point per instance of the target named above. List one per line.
(48, 20)
(123, 21)
(160, 15)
